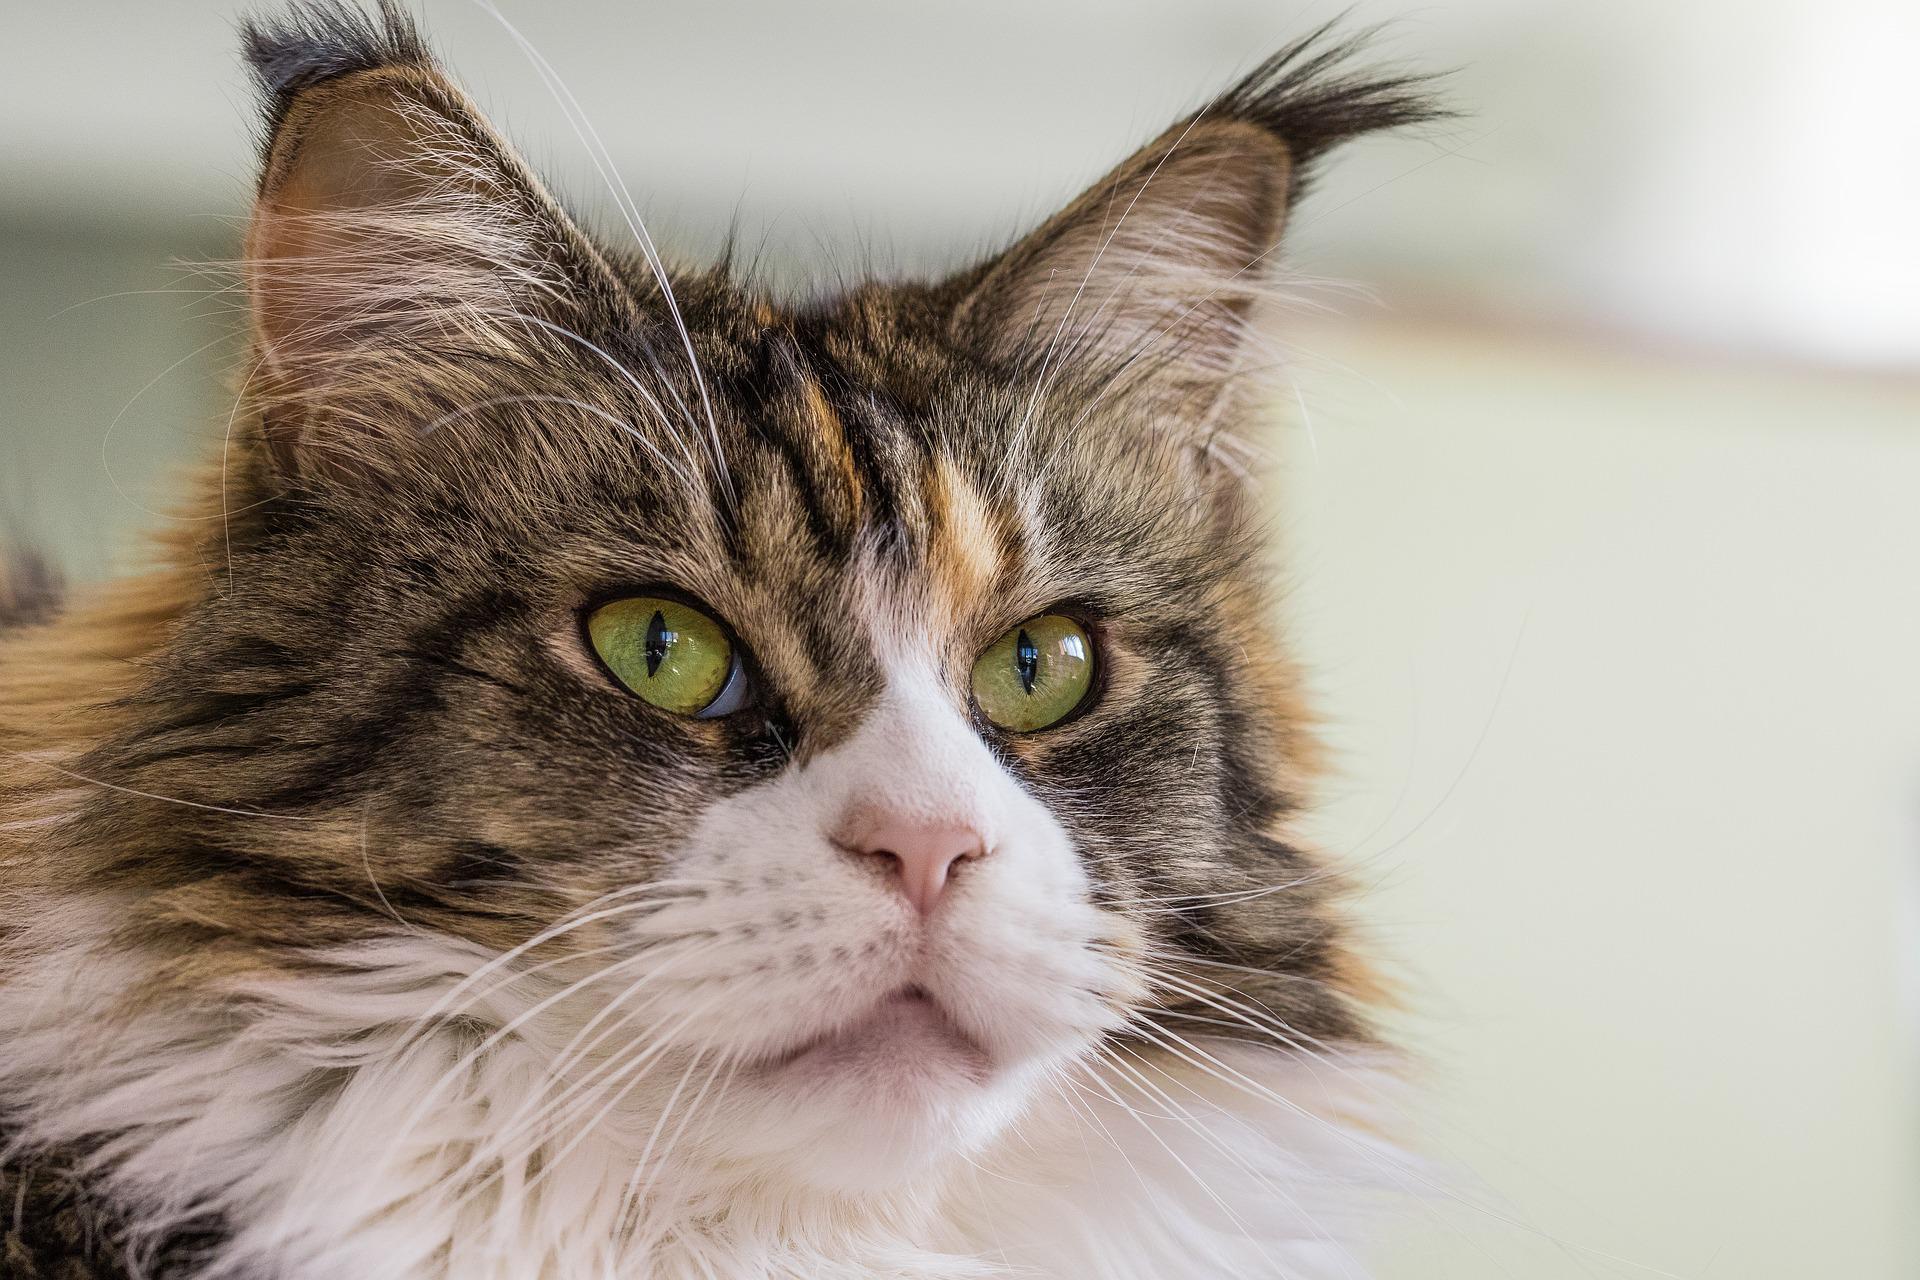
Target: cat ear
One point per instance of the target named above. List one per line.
(1154, 271)
(397, 245)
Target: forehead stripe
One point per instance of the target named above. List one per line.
(965, 558)
(831, 433)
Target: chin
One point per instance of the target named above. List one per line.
(879, 1103)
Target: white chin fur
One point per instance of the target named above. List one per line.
(863, 1136)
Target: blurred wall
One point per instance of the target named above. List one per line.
(1598, 523)
(1618, 659)
(1737, 174)
(111, 361)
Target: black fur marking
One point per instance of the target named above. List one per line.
(315, 41)
(454, 666)
(1310, 96)
(223, 707)
(439, 646)
(54, 1227)
(478, 864)
(778, 367)
(475, 615)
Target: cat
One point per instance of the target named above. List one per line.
(615, 774)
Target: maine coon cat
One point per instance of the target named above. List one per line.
(614, 774)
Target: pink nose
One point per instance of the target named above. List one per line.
(922, 854)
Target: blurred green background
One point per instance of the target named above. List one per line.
(1598, 500)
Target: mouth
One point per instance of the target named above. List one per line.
(905, 1040)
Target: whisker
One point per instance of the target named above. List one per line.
(553, 1117)
(1186, 1119)
(636, 1194)
(1406, 1175)
(603, 163)
(32, 758)
(591, 410)
(567, 1056)
(1205, 1186)
(585, 914)
(106, 437)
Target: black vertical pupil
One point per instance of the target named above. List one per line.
(1026, 659)
(659, 639)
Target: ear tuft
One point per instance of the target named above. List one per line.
(400, 253)
(1313, 95)
(315, 41)
(1157, 268)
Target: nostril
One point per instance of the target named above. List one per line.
(921, 856)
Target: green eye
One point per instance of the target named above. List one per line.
(669, 653)
(1036, 675)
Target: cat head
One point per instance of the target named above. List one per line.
(869, 706)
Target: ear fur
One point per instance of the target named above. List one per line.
(1155, 269)
(396, 241)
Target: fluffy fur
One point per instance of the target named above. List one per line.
(359, 926)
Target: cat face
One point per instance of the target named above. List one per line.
(866, 868)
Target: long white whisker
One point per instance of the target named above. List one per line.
(1182, 1116)
(635, 1192)
(107, 436)
(627, 375)
(573, 1052)
(629, 210)
(32, 758)
(590, 409)
(585, 914)
(554, 1116)
(1205, 1186)
(1404, 1175)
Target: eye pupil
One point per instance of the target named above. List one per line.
(1036, 674)
(1026, 659)
(670, 654)
(659, 640)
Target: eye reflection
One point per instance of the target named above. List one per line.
(669, 654)
(1035, 675)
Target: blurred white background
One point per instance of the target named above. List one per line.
(1600, 510)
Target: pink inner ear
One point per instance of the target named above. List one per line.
(317, 238)
(395, 246)
(285, 237)
(1171, 244)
